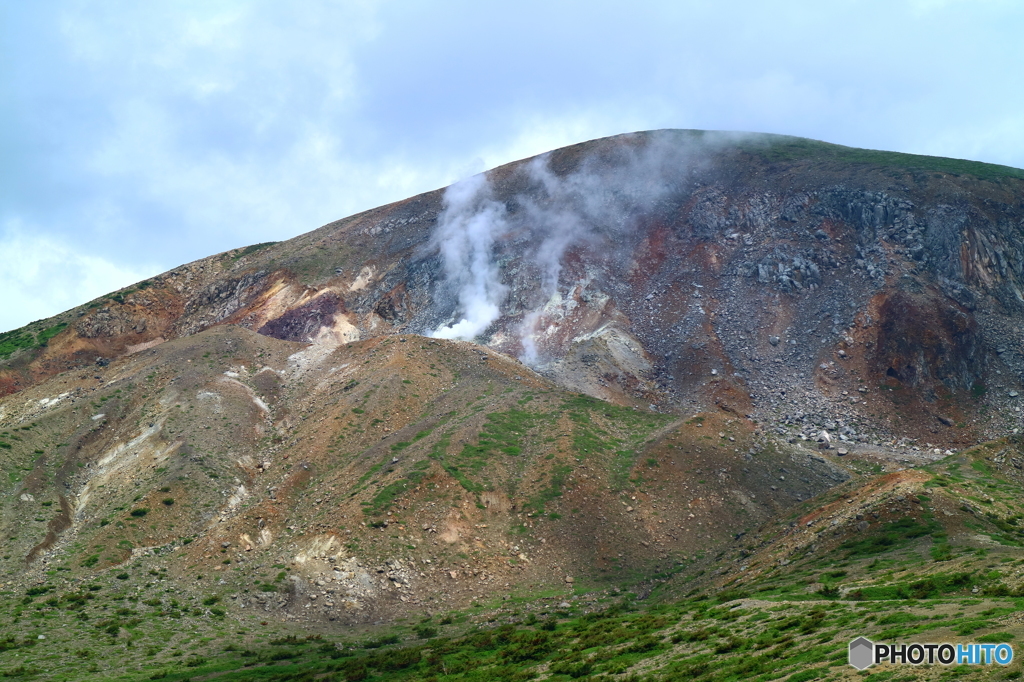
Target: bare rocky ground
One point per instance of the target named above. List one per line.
(731, 362)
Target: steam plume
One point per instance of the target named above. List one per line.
(600, 202)
(597, 205)
(468, 227)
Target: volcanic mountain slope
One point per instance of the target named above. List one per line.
(900, 535)
(407, 471)
(229, 500)
(674, 268)
(703, 362)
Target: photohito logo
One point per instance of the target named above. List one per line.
(864, 653)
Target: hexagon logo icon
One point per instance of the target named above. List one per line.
(862, 653)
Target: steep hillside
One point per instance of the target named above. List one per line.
(902, 535)
(629, 268)
(740, 378)
(460, 469)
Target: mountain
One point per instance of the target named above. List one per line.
(630, 267)
(673, 365)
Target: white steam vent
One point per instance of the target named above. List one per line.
(467, 229)
(594, 207)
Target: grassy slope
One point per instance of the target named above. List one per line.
(402, 431)
(916, 574)
(780, 148)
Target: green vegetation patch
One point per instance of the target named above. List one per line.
(932, 587)
(18, 339)
(242, 253)
(387, 496)
(889, 536)
(503, 433)
(602, 429)
(438, 453)
(777, 148)
(556, 482)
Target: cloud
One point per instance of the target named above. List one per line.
(998, 138)
(922, 7)
(531, 133)
(228, 119)
(42, 276)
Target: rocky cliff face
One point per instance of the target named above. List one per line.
(669, 268)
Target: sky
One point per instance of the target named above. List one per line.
(135, 137)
